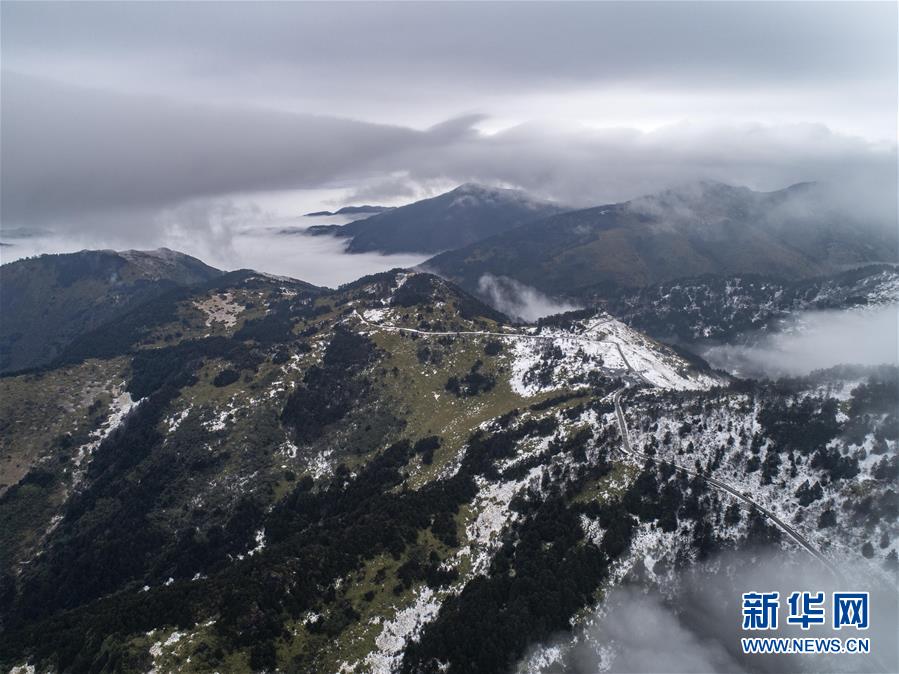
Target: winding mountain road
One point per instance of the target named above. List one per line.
(626, 448)
(801, 540)
(517, 335)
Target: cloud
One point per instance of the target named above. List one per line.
(518, 61)
(320, 260)
(518, 300)
(71, 155)
(692, 622)
(115, 114)
(584, 167)
(816, 340)
(228, 235)
(69, 151)
(636, 623)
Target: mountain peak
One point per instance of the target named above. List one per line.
(478, 189)
(352, 210)
(700, 228)
(500, 195)
(801, 187)
(466, 214)
(161, 253)
(474, 188)
(695, 201)
(91, 287)
(166, 263)
(705, 188)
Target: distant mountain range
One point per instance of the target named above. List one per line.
(48, 300)
(463, 216)
(731, 308)
(631, 257)
(351, 210)
(706, 228)
(23, 232)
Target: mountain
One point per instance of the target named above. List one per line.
(726, 308)
(706, 228)
(24, 232)
(352, 210)
(467, 214)
(255, 474)
(49, 300)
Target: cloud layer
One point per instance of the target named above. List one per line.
(816, 340)
(417, 64)
(519, 301)
(694, 623)
(72, 154)
(119, 118)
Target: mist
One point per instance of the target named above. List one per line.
(694, 623)
(319, 260)
(80, 160)
(116, 114)
(815, 340)
(230, 236)
(518, 300)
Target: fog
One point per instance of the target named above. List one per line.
(613, 63)
(117, 117)
(695, 625)
(236, 238)
(647, 636)
(81, 160)
(518, 300)
(815, 340)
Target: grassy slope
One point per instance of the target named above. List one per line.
(251, 452)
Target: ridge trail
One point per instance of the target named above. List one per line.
(626, 448)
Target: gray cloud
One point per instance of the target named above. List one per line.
(635, 623)
(518, 300)
(70, 153)
(227, 235)
(693, 622)
(117, 115)
(434, 47)
(586, 167)
(816, 340)
(68, 150)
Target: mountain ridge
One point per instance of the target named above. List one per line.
(351, 210)
(706, 228)
(49, 299)
(253, 473)
(466, 214)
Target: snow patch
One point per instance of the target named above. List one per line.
(220, 309)
(395, 634)
(121, 405)
(174, 421)
(375, 315)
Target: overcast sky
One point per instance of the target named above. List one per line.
(119, 118)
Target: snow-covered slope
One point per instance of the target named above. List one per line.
(551, 358)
